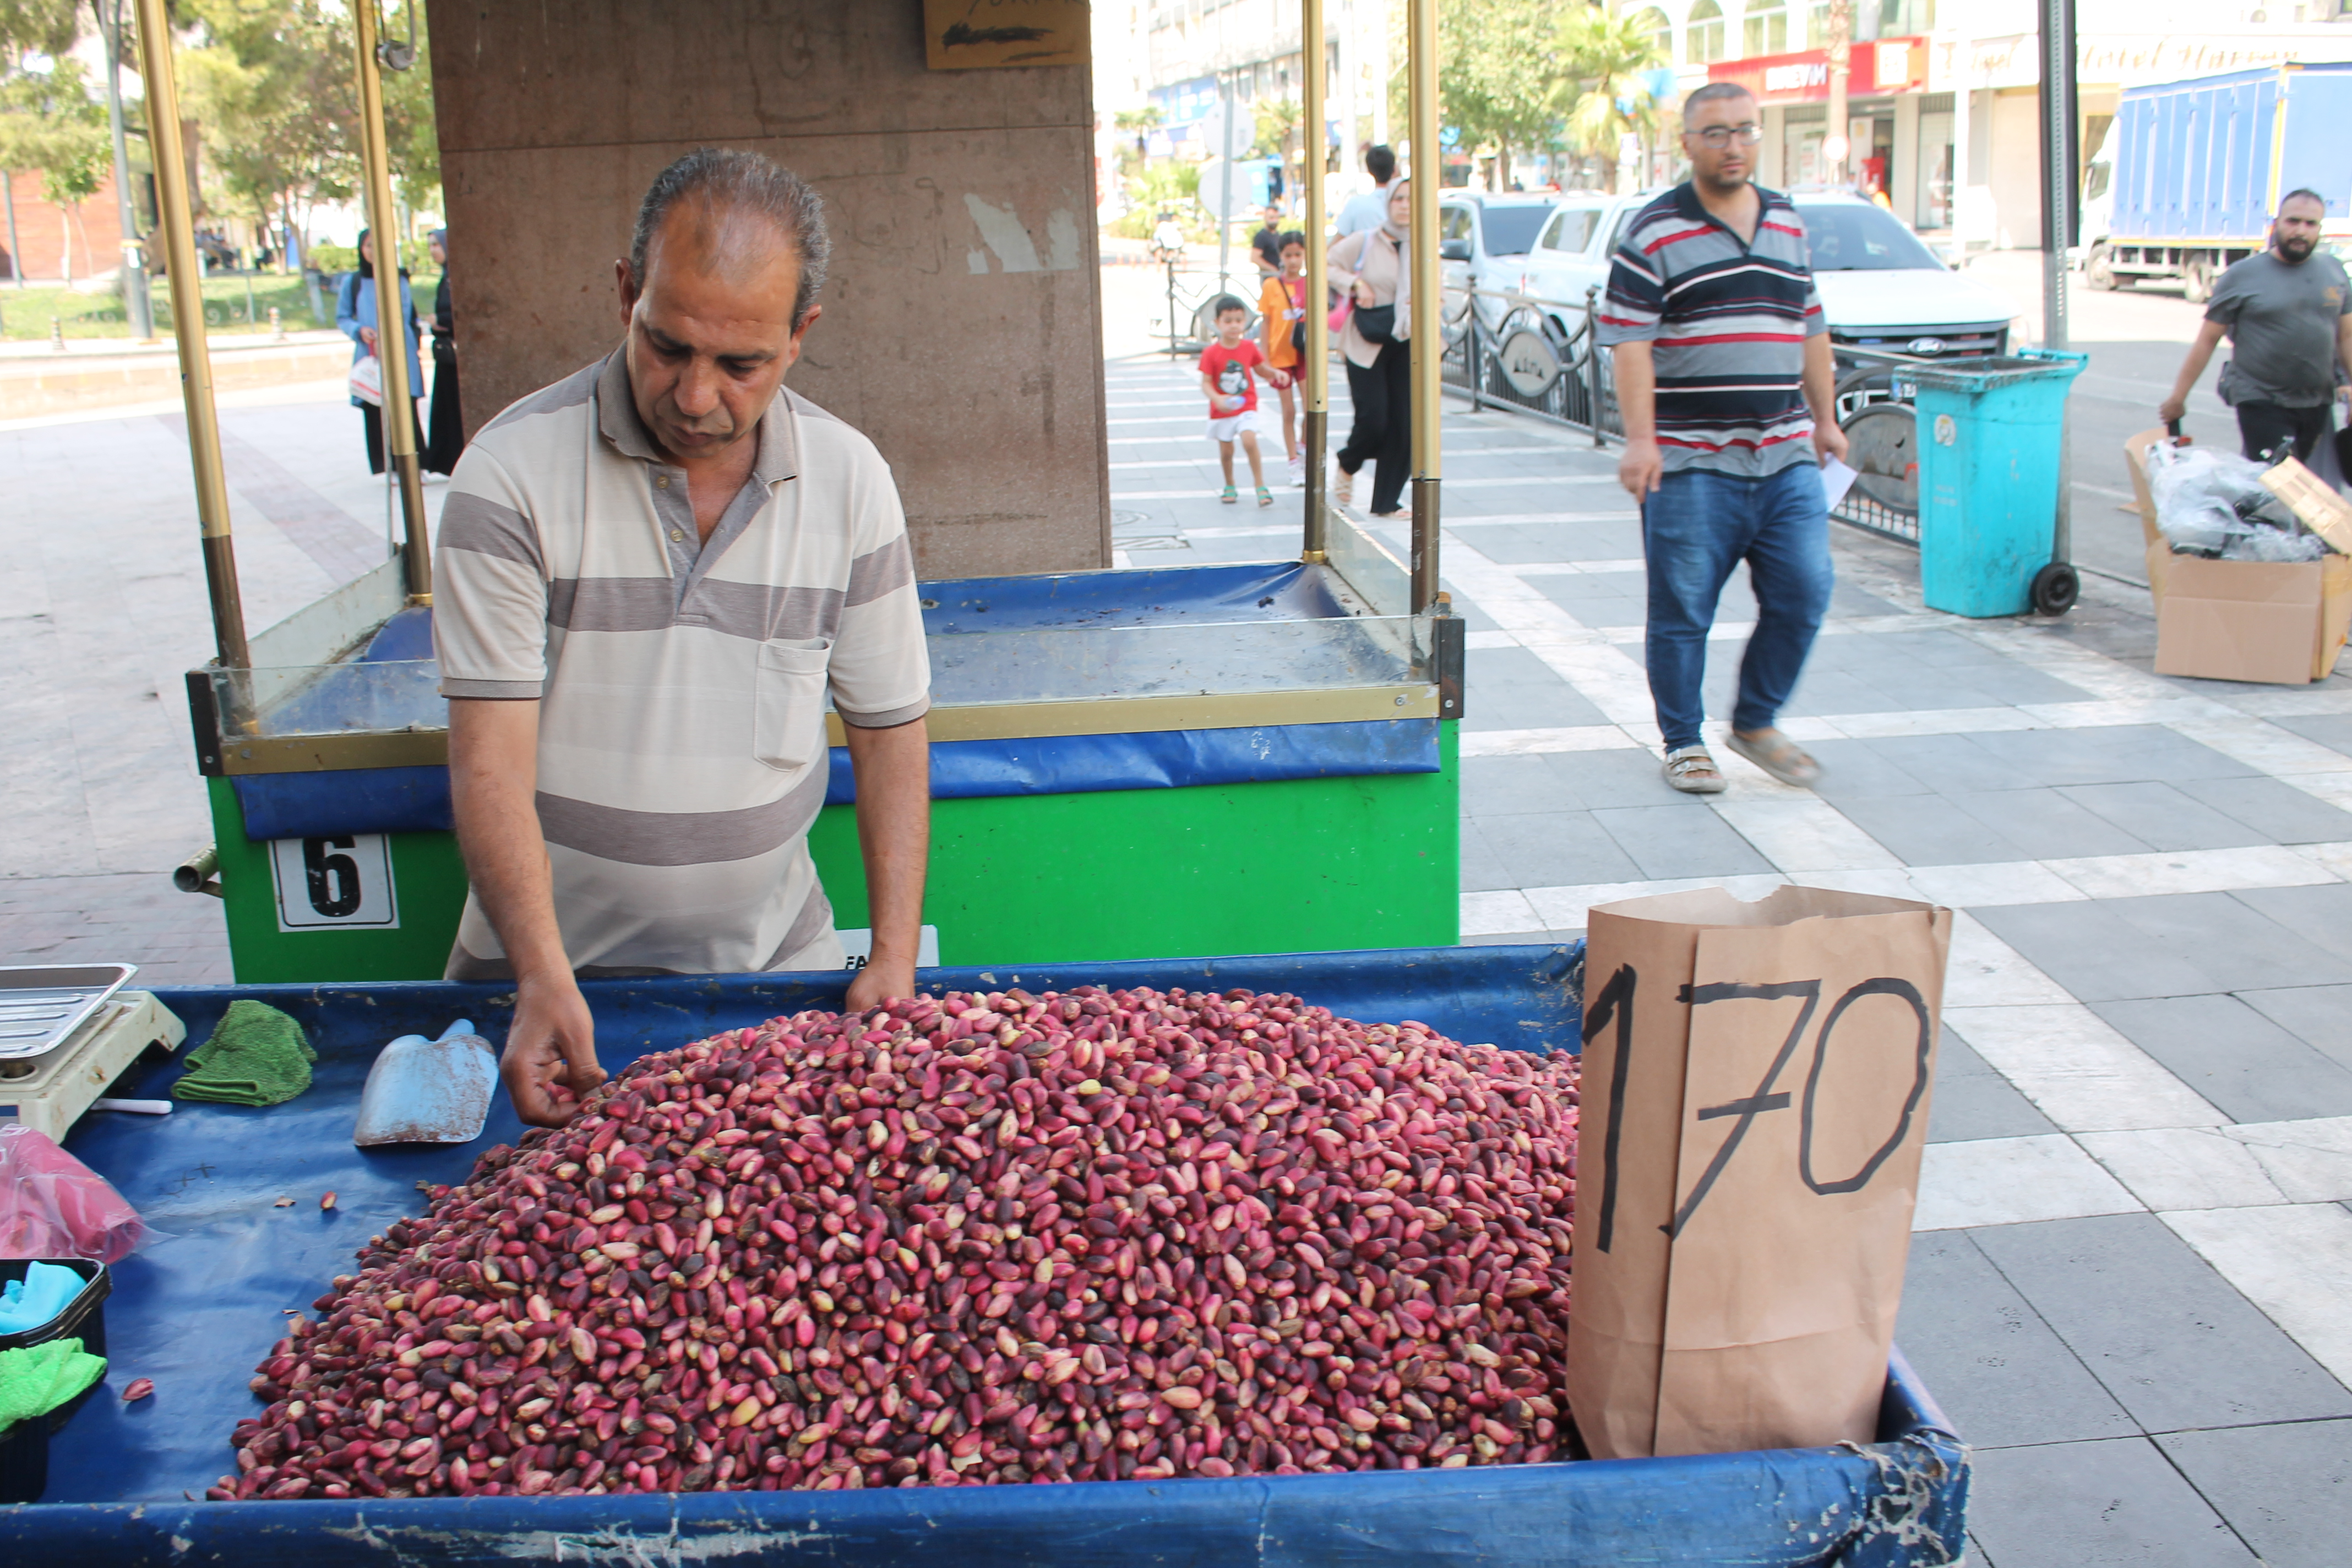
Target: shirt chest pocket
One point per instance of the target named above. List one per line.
(788, 703)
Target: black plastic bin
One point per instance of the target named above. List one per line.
(25, 1448)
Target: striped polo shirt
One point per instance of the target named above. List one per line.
(681, 684)
(1729, 322)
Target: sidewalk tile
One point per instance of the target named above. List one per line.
(1971, 1101)
(2013, 1181)
(2124, 755)
(1994, 1365)
(1930, 831)
(1681, 839)
(2045, 825)
(2071, 1505)
(2164, 818)
(2284, 814)
(1503, 786)
(2233, 1055)
(2295, 1264)
(1559, 848)
(2321, 1015)
(2166, 1335)
(2286, 1488)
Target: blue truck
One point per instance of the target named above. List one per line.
(2190, 172)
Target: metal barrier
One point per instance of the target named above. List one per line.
(1535, 356)
(1532, 356)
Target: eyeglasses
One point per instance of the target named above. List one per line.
(1746, 133)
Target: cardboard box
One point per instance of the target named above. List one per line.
(2278, 622)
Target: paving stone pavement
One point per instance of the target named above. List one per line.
(2131, 1280)
(2131, 1284)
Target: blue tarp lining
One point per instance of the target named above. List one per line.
(1163, 596)
(358, 800)
(415, 800)
(1167, 758)
(196, 1313)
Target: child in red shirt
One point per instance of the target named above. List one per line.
(1228, 367)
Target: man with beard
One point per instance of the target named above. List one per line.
(2288, 316)
(1724, 377)
(650, 576)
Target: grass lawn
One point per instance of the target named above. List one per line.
(230, 306)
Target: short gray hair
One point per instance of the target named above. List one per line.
(724, 178)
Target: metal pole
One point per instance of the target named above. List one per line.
(16, 251)
(140, 309)
(1225, 185)
(391, 319)
(1428, 338)
(188, 327)
(1317, 362)
(1592, 380)
(2060, 156)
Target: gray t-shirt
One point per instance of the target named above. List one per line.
(2281, 317)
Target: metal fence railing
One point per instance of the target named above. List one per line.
(1535, 356)
(1530, 356)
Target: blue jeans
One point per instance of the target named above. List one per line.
(1695, 529)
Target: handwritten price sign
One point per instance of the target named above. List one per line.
(1756, 1079)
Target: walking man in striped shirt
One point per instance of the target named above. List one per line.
(1725, 379)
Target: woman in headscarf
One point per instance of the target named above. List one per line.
(355, 314)
(448, 423)
(1376, 270)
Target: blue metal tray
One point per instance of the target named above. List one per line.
(197, 1312)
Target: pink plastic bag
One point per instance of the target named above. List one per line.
(52, 1206)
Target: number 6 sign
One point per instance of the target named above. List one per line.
(1756, 1083)
(335, 883)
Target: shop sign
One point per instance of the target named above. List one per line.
(2136, 59)
(1527, 363)
(1888, 65)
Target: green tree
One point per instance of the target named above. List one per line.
(37, 26)
(270, 83)
(1499, 81)
(50, 122)
(413, 141)
(1280, 127)
(1605, 55)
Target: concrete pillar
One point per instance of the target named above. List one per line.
(1903, 162)
(963, 326)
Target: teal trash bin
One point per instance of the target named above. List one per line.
(1990, 437)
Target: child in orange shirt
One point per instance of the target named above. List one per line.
(1282, 309)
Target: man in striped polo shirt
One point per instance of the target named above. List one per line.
(1725, 379)
(651, 575)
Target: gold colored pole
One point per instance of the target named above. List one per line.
(1428, 297)
(1317, 362)
(188, 326)
(391, 317)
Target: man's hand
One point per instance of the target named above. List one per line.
(880, 981)
(1641, 469)
(2170, 410)
(1829, 441)
(549, 1061)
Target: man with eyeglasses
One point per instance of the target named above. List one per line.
(1724, 377)
(2288, 316)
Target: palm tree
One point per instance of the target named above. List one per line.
(1604, 56)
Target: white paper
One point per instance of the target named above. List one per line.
(858, 944)
(1836, 479)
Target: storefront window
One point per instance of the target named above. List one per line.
(1705, 33)
(1767, 29)
(1653, 22)
(1817, 26)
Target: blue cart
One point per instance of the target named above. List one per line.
(196, 1313)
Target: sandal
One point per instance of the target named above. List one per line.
(1264, 496)
(1778, 755)
(1690, 770)
(1231, 497)
(1343, 485)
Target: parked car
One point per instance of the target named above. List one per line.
(1482, 241)
(1881, 287)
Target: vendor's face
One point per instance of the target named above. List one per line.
(2296, 230)
(710, 333)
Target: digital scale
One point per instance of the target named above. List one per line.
(67, 1031)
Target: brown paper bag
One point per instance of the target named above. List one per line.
(1754, 1102)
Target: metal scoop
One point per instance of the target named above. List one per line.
(428, 1092)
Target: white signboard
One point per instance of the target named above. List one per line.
(334, 883)
(859, 945)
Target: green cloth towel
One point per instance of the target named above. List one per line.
(37, 1379)
(257, 1056)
